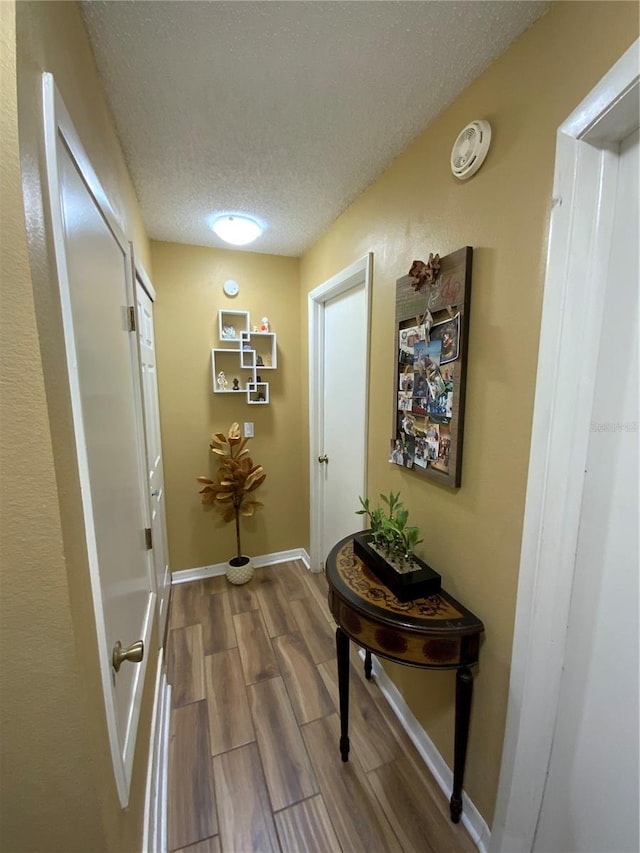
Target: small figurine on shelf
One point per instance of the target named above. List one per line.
(264, 325)
(261, 398)
(259, 361)
(222, 381)
(236, 384)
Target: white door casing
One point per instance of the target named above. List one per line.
(338, 402)
(159, 553)
(96, 292)
(584, 193)
(591, 792)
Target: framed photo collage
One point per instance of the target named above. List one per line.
(432, 323)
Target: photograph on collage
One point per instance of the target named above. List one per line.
(440, 406)
(432, 442)
(407, 339)
(405, 401)
(396, 451)
(441, 463)
(448, 332)
(405, 381)
(420, 427)
(421, 453)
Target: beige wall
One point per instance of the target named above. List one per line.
(58, 792)
(472, 536)
(189, 280)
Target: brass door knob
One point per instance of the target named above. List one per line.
(324, 458)
(133, 654)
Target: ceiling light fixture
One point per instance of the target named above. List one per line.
(236, 229)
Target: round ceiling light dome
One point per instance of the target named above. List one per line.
(236, 229)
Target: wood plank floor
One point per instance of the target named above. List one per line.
(254, 764)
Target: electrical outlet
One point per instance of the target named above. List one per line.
(248, 430)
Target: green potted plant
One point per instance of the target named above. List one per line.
(390, 533)
(231, 493)
(388, 550)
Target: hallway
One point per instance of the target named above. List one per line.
(254, 762)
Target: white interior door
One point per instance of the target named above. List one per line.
(344, 426)
(96, 291)
(339, 354)
(591, 796)
(155, 475)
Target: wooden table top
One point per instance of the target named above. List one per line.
(373, 616)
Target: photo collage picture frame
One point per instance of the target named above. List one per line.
(432, 325)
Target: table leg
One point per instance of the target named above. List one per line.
(367, 664)
(464, 692)
(342, 649)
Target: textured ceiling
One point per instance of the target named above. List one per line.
(283, 110)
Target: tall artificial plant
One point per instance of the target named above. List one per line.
(237, 478)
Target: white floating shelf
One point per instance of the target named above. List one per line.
(231, 325)
(264, 346)
(258, 393)
(248, 354)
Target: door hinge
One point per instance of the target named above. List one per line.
(132, 318)
(148, 541)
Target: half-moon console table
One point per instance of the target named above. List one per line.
(433, 633)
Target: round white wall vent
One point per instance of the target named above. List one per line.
(470, 149)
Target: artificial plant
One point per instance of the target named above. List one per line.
(237, 478)
(390, 531)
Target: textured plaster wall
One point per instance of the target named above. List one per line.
(473, 535)
(189, 280)
(42, 697)
(58, 792)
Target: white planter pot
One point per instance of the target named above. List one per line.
(239, 570)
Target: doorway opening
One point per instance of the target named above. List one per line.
(339, 312)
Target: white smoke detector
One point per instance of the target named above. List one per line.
(470, 149)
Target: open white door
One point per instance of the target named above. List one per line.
(339, 380)
(145, 296)
(96, 295)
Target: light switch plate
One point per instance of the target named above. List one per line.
(248, 429)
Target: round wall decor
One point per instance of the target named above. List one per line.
(231, 287)
(470, 149)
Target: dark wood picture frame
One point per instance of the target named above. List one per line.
(446, 298)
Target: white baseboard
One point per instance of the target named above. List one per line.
(471, 817)
(155, 806)
(186, 575)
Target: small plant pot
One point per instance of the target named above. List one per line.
(239, 570)
(419, 582)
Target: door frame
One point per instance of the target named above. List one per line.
(584, 190)
(357, 274)
(57, 121)
(141, 279)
